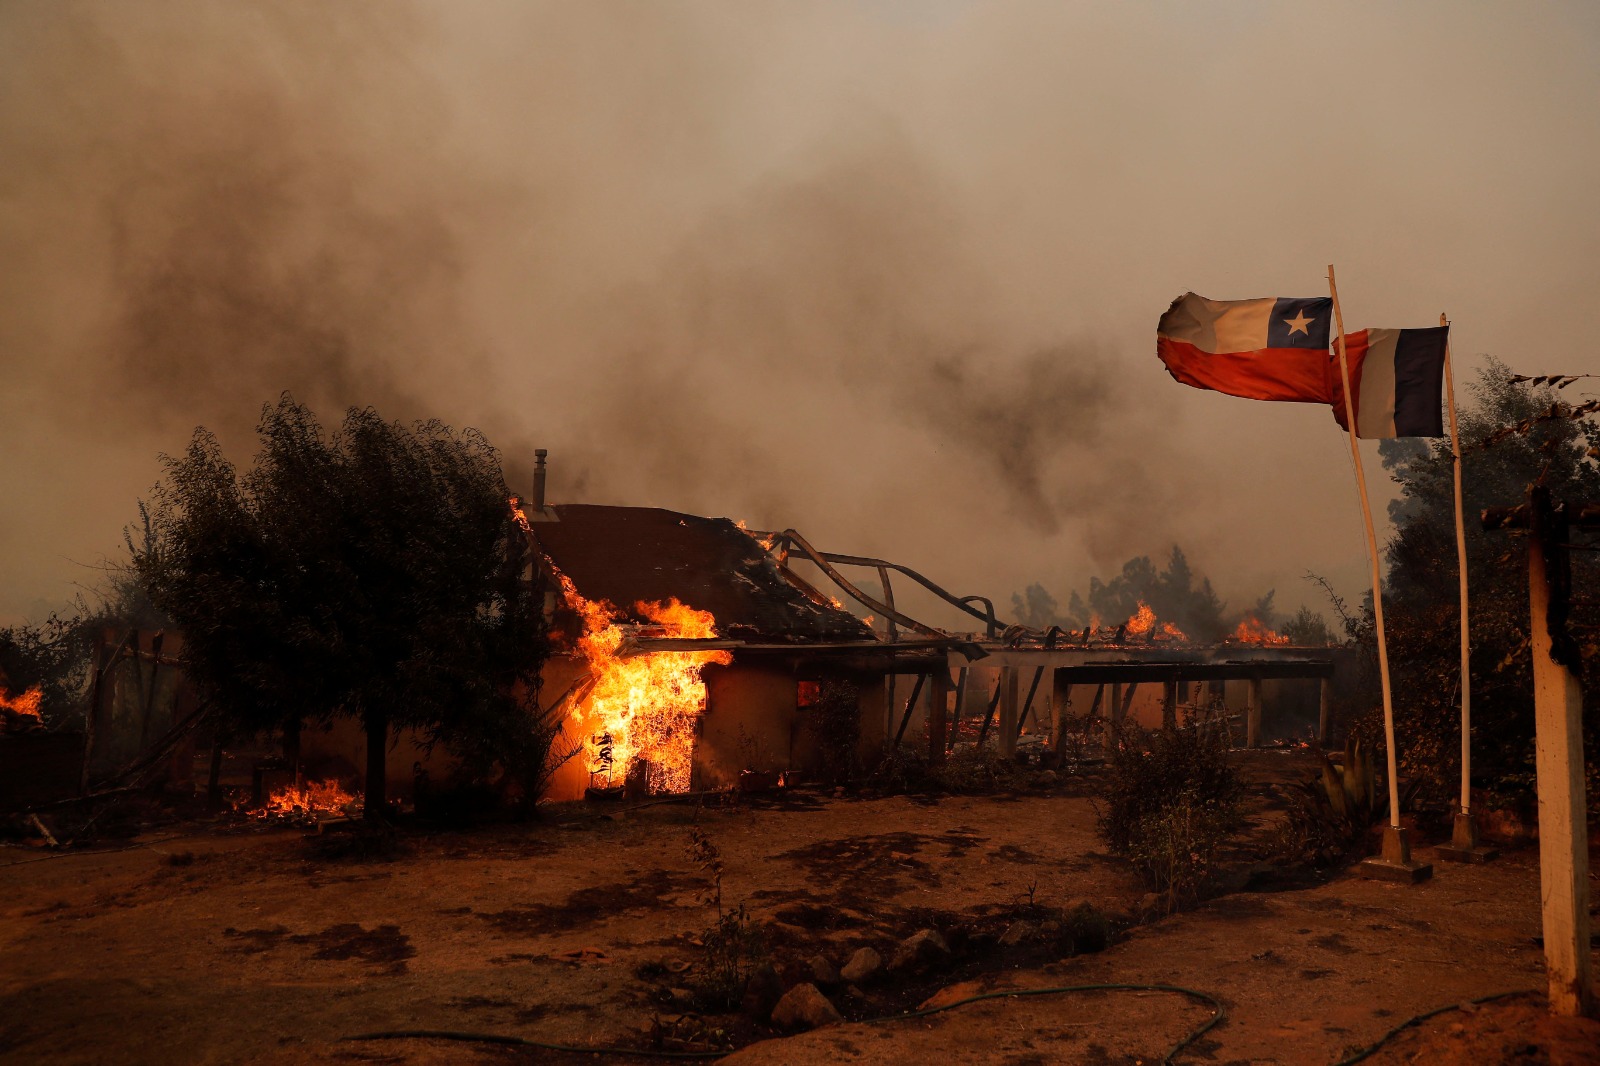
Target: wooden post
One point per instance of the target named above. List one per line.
(1094, 709)
(988, 715)
(961, 706)
(911, 706)
(1558, 726)
(1008, 710)
(888, 705)
(1027, 704)
(1324, 710)
(214, 778)
(938, 708)
(888, 599)
(1396, 859)
(1169, 706)
(1252, 715)
(1114, 712)
(97, 682)
(1127, 700)
(1060, 701)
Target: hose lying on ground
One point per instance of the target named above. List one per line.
(1016, 993)
(1372, 1048)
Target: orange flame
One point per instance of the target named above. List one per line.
(26, 705)
(1143, 624)
(642, 708)
(519, 514)
(1253, 631)
(307, 800)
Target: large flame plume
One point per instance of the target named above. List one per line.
(641, 710)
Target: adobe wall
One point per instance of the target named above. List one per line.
(748, 724)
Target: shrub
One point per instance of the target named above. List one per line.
(837, 717)
(1170, 801)
(734, 947)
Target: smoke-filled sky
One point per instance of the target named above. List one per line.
(888, 273)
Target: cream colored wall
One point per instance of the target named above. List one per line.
(749, 723)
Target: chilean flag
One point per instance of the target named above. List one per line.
(1270, 349)
(1397, 376)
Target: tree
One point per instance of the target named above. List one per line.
(374, 574)
(1422, 600)
(1308, 629)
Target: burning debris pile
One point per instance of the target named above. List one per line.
(307, 803)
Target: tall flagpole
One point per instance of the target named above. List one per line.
(1463, 846)
(1372, 557)
(1461, 563)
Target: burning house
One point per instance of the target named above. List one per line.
(684, 656)
(687, 653)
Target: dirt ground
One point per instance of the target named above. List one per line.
(219, 943)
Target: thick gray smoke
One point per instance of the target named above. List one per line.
(886, 273)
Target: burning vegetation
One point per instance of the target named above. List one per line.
(21, 712)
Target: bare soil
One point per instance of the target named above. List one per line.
(235, 944)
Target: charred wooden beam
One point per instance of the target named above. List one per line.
(911, 705)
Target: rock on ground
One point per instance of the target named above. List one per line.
(863, 966)
(823, 972)
(920, 951)
(804, 1007)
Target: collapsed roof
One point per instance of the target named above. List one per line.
(628, 555)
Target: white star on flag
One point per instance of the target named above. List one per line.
(1298, 323)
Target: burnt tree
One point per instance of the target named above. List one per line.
(373, 573)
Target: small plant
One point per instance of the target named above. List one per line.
(970, 770)
(1078, 733)
(1171, 800)
(734, 947)
(1090, 930)
(1330, 814)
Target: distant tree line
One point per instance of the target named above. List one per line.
(1175, 593)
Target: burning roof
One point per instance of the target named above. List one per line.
(631, 555)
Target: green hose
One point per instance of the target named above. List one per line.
(519, 1041)
(1419, 1019)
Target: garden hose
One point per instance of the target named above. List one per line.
(519, 1041)
(1372, 1048)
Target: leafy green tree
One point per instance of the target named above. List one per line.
(1422, 600)
(374, 574)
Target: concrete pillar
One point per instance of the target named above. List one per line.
(1558, 761)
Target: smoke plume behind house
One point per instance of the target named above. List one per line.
(885, 273)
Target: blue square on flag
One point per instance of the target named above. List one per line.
(1300, 322)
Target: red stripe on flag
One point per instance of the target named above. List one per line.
(1296, 374)
(1355, 352)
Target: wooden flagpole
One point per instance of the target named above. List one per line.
(1463, 846)
(1461, 558)
(1396, 859)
